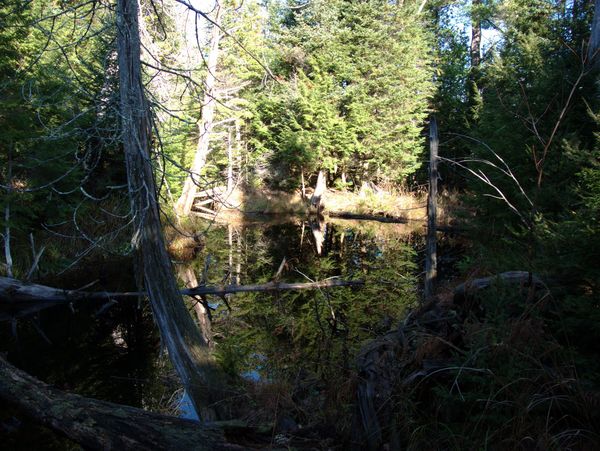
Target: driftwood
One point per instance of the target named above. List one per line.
(103, 425)
(18, 298)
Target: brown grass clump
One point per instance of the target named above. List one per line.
(378, 202)
(183, 242)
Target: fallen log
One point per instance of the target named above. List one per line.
(19, 298)
(102, 425)
(359, 216)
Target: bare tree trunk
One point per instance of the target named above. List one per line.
(431, 257)
(315, 200)
(185, 202)
(475, 34)
(303, 184)
(6, 235)
(473, 88)
(238, 151)
(187, 349)
(229, 161)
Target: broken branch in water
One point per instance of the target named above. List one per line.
(18, 298)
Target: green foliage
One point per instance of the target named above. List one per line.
(354, 80)
(57, 115)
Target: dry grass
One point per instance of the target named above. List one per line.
(393, 203)
(390, 203)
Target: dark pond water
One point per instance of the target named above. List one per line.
(303, 342)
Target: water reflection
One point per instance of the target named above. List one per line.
(286, 336)
(301, 342)
(318, 228)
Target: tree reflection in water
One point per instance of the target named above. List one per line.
(305, 342)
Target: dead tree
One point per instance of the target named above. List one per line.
(19, 299)
(431, 252)
(187, 350)
(186, 200)
(315, 200)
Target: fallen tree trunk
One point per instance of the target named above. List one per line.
(366, 217)
(520, 280)
(18, 298)
(103, 425)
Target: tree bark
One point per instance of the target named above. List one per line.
(229, 161)
(186, 200)
(431, 257)
(473, 79)
(187, 350)
(475, 34)
(189, 278)
(103, 425)
(18, 299)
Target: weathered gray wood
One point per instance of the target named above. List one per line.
(315, 200)
(188, 352)
(203, 202)
(185, 201)
(431, 253)
(103, 425)
(211, 192)
(360, 216)
(519, 279)
(13, 291)
(19, 298)
(206, 210)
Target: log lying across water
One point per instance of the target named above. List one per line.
(18, 298)
(103, 425)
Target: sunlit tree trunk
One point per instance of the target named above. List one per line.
(187, 349)
(185, 202)
(315, 201)
(475, 34)
(230, 161)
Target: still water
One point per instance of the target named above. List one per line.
(302, 340)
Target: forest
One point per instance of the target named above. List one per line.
(300, 224)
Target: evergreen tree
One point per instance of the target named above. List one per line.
(354, 84)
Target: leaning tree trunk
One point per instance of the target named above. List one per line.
(186, 200)
(187, 350)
